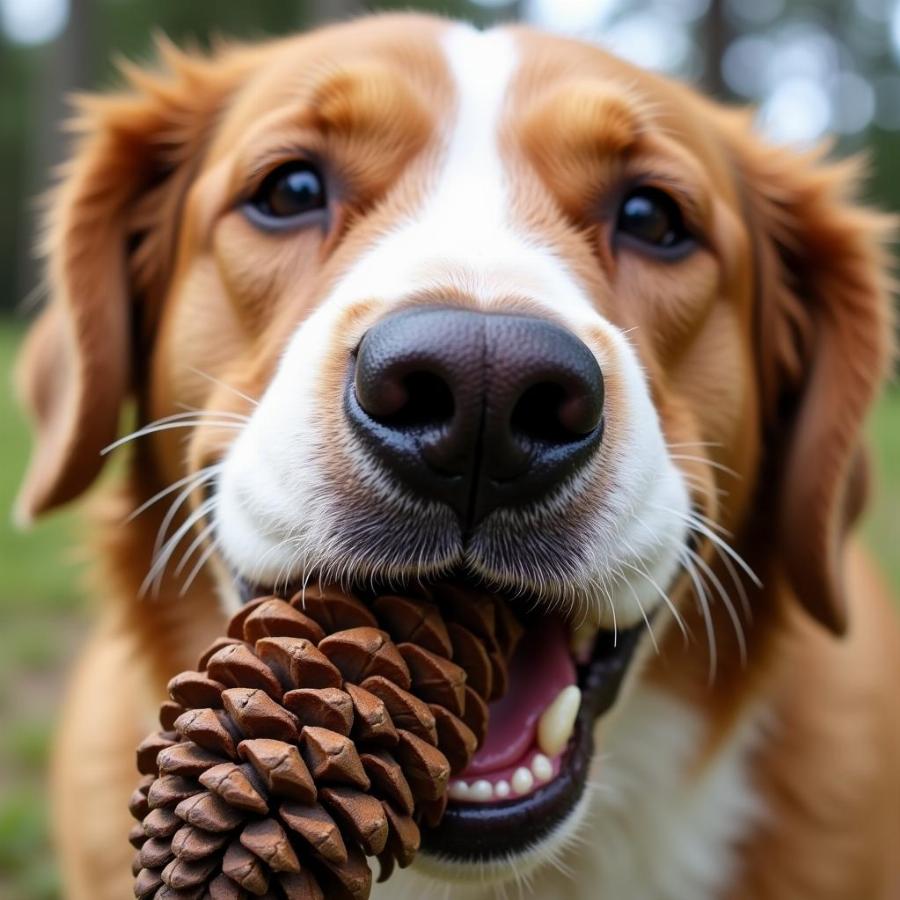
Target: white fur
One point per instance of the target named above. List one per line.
(650, 830)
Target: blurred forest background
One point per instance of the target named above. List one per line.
(812, 67)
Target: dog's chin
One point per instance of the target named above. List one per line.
(524, 792)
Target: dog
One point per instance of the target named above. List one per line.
(400, 302)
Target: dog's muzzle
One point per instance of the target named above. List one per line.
(482, 412)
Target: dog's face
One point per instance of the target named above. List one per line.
(483, 313)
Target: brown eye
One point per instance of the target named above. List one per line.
(291, 195)
(653, 219)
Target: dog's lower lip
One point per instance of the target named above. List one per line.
(485, 831)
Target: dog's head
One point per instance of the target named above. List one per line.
(482, 312)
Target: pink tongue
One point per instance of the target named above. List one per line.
(541, 667)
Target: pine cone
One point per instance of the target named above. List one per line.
(318, 732)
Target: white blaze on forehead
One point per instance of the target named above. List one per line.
(463, 233)
(472, 192)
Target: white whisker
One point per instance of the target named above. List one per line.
(176, 504)
(726, 600)
(738, 582)
(161, 558)
(201, 536)
(168, 426)
(201, 562)
(703, 602)
(223, 384)
(697, 526)
(637, 600)
(721, 467)
(685, 444)
(679, 621)
(199, 476)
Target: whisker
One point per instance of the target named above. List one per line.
(176, 504)
(168, 426)
(201, 536)
(699, 526)
(683, 444)
(726, 600)
(679, 621)
(707, 490)
(696, 525)
(224, 384)
(186, 408)
(707, 462)
(191, 412)
(161, 559)
(200, 476)
(738, 582)
(716, 526)
(637, 600)
(201, 562)
(703, 602)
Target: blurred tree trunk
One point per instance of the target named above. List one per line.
(65, 68)
(716, 35)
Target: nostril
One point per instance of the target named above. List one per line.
(427, 402)
(536, 415)
(548, 413)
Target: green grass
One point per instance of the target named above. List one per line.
(41, 616)
(37, 571)
(882, 526)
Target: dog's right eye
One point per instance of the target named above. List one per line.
(291, 195)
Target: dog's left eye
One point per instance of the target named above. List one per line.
(652, 218)
(289, 195)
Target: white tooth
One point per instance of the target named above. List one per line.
(557, 722)
(542, 767)
(522, 780)
(501, 789)
(459, 790)
(482, 790)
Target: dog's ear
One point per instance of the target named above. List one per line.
(110, 236)
(824, 342)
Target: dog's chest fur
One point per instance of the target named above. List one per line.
(651, 829)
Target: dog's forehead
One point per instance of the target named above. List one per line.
(551, 65)
(285, 75)
(438, 61)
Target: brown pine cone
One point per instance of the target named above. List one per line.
(318, 732)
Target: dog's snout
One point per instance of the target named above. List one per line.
(477, 410)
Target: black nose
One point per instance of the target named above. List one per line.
(474, 409)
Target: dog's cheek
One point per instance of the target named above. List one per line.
(264, 273)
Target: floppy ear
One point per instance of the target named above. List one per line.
(824, 345)
(111, 228)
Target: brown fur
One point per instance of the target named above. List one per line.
(770, 344)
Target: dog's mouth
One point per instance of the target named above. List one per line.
(531, 770)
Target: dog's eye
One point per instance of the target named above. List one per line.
(289, 194)
(651, 217)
